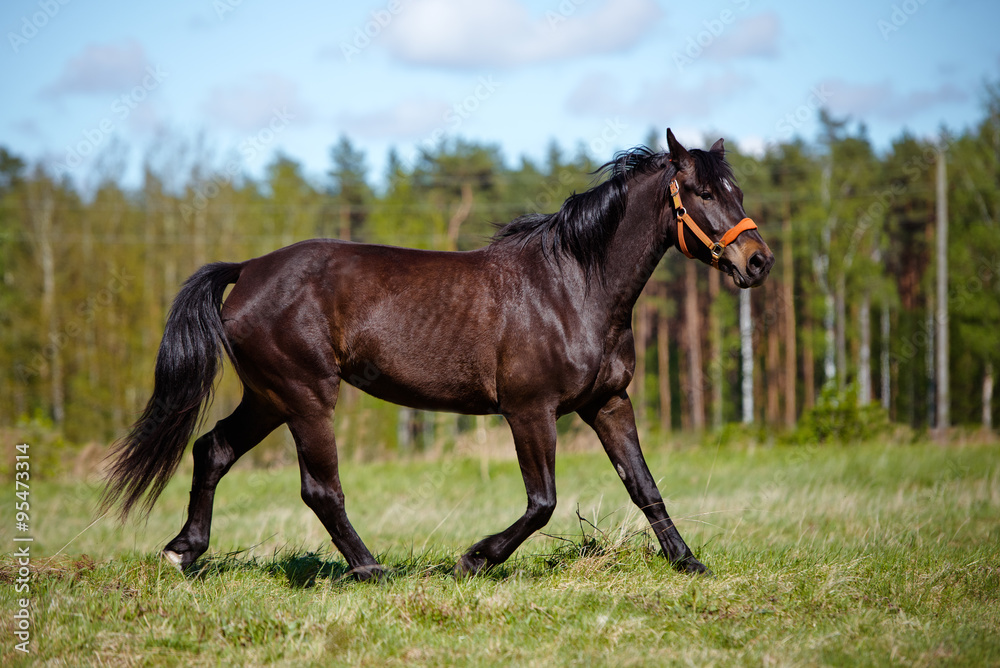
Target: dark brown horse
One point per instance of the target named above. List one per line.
(534, 326)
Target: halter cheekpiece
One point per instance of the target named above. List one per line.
(715, 247)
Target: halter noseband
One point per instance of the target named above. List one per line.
(715, 247)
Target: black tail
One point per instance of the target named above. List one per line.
(186, 365)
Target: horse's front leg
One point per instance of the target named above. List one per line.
(535, 443)
(614, 423)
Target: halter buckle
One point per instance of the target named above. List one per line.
(717, 249)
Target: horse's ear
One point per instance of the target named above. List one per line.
(718, 147)
(678, 154)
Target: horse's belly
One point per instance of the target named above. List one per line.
(414, 371)
(432, 391)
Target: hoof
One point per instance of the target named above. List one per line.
(371, 573)
(470, 565)
(173, 559)
(693, 567)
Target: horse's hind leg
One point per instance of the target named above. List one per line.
(214, 453)
(321, 490)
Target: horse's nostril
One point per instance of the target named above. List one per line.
(756, 264)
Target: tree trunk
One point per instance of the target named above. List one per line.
(715, 347)
(696, 389)
(771, 360)
(988, 396)
(788, 306)
(43, 212)
(840, 329)
(345, 222)
(171, 284)
(746, 353)
(830, 351)
(88, 353)
(461, 213)
(864, 352)
(663, 366)
(943, 381)
(51, 321)
(929, 361)
(638, 385)
(821, 267)
(199, 237)
(404, 429)
(808, 365)
(886, 367)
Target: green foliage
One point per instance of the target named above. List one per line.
(51, 456)
(837, 417)
(738, 434)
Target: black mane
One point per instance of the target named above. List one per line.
(586, 222)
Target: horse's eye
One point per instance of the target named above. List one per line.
(705, 195)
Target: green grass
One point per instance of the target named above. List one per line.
(867, 555)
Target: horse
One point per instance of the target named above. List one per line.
(535, 325)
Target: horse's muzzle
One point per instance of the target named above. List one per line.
(749, 264)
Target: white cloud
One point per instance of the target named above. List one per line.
(145, 119)
(881, 100)
(251, 106)
(101, 68)
(28, 127)
(753, 36)
(658, 103)
(502, 33)
(598, 93)
(407, 120)
(754, 145)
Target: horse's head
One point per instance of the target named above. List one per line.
(711, 223)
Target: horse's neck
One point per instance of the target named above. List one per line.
(642, 238)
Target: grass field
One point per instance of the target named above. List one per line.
(871, 555)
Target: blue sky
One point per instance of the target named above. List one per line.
(251, 78)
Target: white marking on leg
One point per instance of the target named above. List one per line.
(173, 559)
(621, 472)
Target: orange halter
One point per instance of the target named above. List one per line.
(715, 247)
